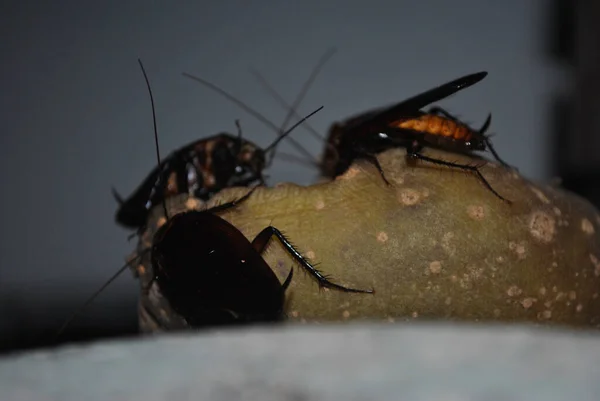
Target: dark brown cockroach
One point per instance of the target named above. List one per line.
(212, 275)
(406, 125)
(208, 270)
(209, 165)
(200, 169)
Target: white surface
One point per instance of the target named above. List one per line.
(417, 363)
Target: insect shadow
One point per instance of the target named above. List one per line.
(208, 270)
(405, 125)
(206, 166)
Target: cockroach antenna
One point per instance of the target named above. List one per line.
(292, 109)
(123, 268)
(275, 142)
(164, 203)
(250, 111)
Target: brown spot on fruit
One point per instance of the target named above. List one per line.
(542, 226)
(476, 212)
(528, 302)
(409, 196)
(513, 291)
(382, 237)
(435, 267)
(518, 248)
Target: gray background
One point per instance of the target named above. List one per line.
(77, 116)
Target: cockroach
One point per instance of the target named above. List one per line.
(200, 169)
(212, 275)
(406, 125)
(208, 165)
(208, 270)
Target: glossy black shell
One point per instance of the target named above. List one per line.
(211, 274)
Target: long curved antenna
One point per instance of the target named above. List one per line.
(248, 110)
(307, 84)
(289, 131)
(284, 104)
(96, 293)
(89, 300)
(122, 269)
(277, 96)
(164, 203)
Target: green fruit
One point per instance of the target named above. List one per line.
(436, 244)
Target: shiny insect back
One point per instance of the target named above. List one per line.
(200, 169)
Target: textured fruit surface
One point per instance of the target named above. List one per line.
(436, 244)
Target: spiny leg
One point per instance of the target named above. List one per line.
(413, 153)
(233, 203)
(259, 243)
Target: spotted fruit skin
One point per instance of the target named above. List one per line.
(436, 244)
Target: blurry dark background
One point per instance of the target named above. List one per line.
(77, 117)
